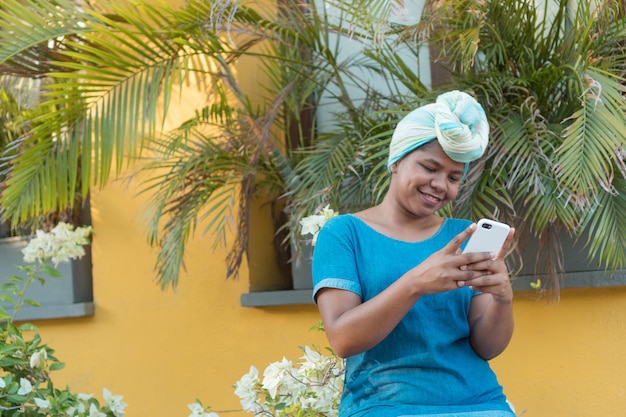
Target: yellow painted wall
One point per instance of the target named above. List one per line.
(162, 350)
(566, 359)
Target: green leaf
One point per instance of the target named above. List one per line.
(57, 366)
(7, 298)
(15, 278)
(33, 303)
(9, 287)
(51, 271)
(26, 327)
(4, 315)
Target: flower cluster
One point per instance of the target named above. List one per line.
(26, 388)
(312, 388)
(64, 403)
(61, 244)
(312, 224)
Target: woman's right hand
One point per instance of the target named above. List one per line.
(444, 270)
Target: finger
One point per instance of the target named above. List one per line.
(474, 260)
(455, 244)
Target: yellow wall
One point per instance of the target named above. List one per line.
(162, 350)
(567, 358)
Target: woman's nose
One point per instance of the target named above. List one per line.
(438, 182)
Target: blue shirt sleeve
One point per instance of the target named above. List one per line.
(334, 260)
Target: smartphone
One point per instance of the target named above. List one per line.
(489, 236)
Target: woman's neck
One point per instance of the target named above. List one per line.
(399, 224)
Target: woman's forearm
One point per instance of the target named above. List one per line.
(491, 332)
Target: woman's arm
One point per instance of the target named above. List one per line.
(491, 325)
(491, 313)
(353, 327)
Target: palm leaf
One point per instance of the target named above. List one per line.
(605, 228)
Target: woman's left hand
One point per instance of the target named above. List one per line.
(495, 280)
(491, 313)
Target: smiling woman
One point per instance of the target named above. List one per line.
(399, 300)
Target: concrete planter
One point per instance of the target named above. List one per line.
(301, 267)
(69, 296)
(579, 271)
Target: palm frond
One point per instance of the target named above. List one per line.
(605, 228)
(34, 36)
(584, 164)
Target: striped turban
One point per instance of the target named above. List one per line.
(456, 120)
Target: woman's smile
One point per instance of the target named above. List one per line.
(429, 198)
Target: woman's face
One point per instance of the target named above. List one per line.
(425, 180)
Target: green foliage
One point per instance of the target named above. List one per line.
(550, 78)
(26, 387)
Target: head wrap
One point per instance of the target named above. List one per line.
(456, 120)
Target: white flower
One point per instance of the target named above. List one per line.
(114, 402)
(25, 387)
(198, 411)
(94, 412)
(3, 383)
(38, 359)
(83, 404)
(59, 245)
(312, 388)
(245, 389)
(328, 213)
(311, 225)
(275, 374)
(43, 405)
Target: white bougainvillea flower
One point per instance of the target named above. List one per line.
(276, 374)
(328, 213)
(312, 387)
(38, 359)
(197, 410)
(61, 244)
(246, 390)
(83, 403)
(94, 412)
(311, 225)
(42, 405)
(25, 387)
(114, 402)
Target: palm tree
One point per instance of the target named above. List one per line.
(553, 90)
(552, 81)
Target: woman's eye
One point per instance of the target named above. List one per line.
(428, 169)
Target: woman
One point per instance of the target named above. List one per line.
(416, 319)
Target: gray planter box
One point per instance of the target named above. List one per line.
(301, 267)
(69, 296)
(579, 271)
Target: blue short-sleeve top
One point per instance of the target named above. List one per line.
(426, 365)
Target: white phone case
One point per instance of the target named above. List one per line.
(489, 236)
